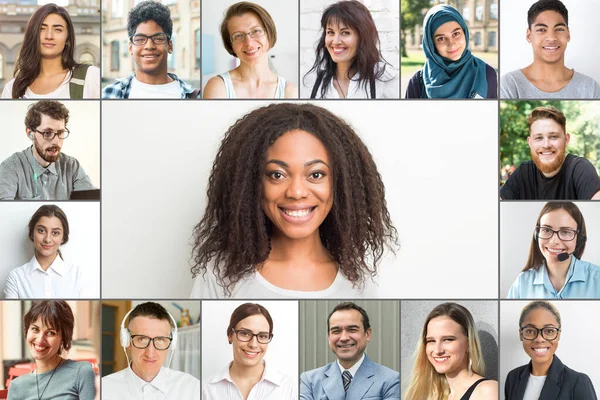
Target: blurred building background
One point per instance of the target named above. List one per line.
(14, 15)
(185, 59)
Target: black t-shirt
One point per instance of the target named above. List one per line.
(576, 180)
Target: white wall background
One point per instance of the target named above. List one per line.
(282, 353)
(82, 249)
(385, 13)
(413, 315)
(283, 58)
(443, 202)
(574, 350)
(582, 50)
(517, 223)
(83, 142)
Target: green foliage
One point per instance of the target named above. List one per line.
(411, 15)
(583, 121)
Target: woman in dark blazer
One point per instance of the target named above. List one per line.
(545, 377)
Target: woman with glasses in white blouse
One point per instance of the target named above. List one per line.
(47, 275)
(249, 332)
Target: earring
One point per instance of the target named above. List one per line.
(230, 341)
(470, 367)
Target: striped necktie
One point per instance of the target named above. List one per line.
(346, 378)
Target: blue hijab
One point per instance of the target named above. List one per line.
(444, 78)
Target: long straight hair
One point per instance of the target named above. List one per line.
(50, 210)
(28, 65)
(426, 383)
(368, 56)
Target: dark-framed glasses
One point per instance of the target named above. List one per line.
(143, 341)
(547, 332)
(140, 39)
(566, 235)
(245, 335)
(49, 135)
(240, 37)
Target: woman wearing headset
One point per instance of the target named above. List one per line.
(48, 328)
(554, 268)
(348, 62)
(249, 332)
(545, 377)
(46, 67)
(47, 275)
(248, 33)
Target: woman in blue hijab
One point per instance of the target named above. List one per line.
(451, 71)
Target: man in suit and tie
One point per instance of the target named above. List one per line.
(353, 375)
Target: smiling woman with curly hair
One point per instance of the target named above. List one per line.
(296, 208)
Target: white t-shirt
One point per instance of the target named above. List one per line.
(91, 88)
(167, 385)
(534, 387)
(255, 286)
(140, 90)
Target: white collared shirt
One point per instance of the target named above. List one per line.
(273, 385)
(167, 385)
(60, 280)
(353, 368)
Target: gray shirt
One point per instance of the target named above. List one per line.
(515, 85)
(72, 380)
(23, 178)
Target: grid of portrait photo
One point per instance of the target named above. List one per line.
(299, 199)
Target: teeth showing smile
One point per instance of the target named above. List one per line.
(441, 359)
(251, 354)
(345, 346)
(39, 348)
(150, 56)
(555, 251)
(338, 50)
(551, 48)
(250, 52)
(541, 350)
(298, 213)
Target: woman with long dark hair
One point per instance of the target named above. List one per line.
(554, 268)
(348, 61)
(46, 67)
(47, 275)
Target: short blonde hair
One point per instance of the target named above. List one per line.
(245, 7)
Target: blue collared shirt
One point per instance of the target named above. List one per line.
(583, 282)
(122, 87)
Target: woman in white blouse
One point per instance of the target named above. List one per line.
(47, 275)
(248, 376)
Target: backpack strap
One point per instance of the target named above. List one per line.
(320, 75)
(193, 95)
(77, 81)
(373, 91)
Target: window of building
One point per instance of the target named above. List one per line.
(479, 12)
(87, 58)
(491, 39)
(466, 13)
(477, 39)
(494, 11)
(114, 56)
(116, 8)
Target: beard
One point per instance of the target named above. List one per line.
(547, 167)
(44, 152)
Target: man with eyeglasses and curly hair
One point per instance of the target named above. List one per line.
(150, 30)
(42, 171)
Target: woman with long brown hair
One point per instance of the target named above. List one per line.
(46, 67)
(554, 268)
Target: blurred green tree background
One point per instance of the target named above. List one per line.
(583, 124)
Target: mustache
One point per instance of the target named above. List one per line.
(53, 148)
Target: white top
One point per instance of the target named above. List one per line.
(60, 281)
(230, 91)
(255, 286)
(534, 387)
(140, 90)
(386, 88)
(167, 385)
(353, 369)
(91, 88)
(272, 386)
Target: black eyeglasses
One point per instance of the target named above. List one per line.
(49, 135)
(245, 335)
(143, 341)
(140, 39)
(531, 332)
(566, 235)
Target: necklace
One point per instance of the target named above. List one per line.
(340, 87)
(47, 383)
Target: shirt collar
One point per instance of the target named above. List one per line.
(270, 375)
(573, 275)
(58, 266)
(125, 85)
(37, 168)
(160, 381)
(353, 368)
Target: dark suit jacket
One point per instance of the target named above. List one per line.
(562, 383)
(372, 381)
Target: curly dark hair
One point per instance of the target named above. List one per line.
(234, 231)
(546, 5)
(150, 11)
(53, 109)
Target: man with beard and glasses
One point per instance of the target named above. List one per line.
(42, 172)
(353, 375)
(552, 174)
